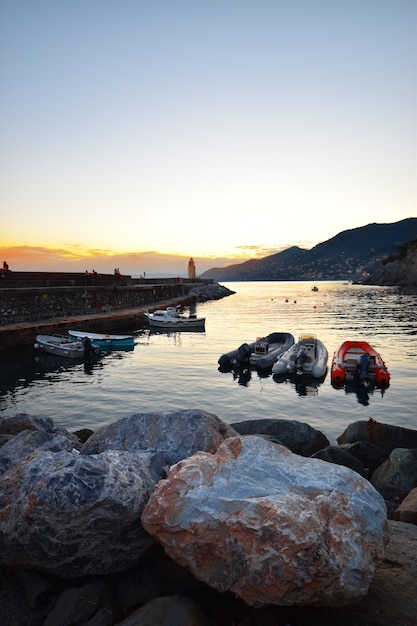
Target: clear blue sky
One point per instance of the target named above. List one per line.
(132, 130)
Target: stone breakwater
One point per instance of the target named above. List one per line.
(177, 515)
(24, 313)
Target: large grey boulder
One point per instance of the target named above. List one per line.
(166, 437)
(73, 515)
(298, 437)
(270, 526)
(30, 442)
(399, 471)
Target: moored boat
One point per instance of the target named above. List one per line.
(105, 341)
(261, 353)
(171, 319)
(61, 346)
(308, 356)
(358, 361)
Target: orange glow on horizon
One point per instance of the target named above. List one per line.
(78, 259)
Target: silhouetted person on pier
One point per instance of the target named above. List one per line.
(5, 269)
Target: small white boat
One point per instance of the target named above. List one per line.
(61, 346)
(308, 356)
(104, 341)
(261, 353)
(171, 319)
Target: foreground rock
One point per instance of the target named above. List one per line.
(270, 526)
(297, 436)
(157, 585)
(165, 437)
(76, 514)
(155, 582)
(385, 436)
(73, 515)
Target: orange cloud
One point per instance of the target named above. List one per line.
(75, 259)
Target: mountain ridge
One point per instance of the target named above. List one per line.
(353, 254)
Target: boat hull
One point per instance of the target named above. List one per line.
(104, 341)
(348, 365)
(315, 359)
(169, 319)
(276, 344)
(60, 346)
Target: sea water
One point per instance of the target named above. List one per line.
(179, 370)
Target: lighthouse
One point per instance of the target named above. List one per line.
(191, 269)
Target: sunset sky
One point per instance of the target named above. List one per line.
(138, 131)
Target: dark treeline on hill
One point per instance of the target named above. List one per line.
(351, 255)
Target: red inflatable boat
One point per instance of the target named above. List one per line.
(358, 361)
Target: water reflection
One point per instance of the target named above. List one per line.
(20, 369)
(362, 392)
(169, 332)
(303, 385)
(241, 374)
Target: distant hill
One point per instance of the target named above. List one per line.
(351, 255)
(398, 269)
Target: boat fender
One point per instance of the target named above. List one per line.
(36, 346)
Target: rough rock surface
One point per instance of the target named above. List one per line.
(23, 421)
(297, 436)
(270, 526)
(385, 436)
(407, 511)
(28, 442)
(168, 611)
(399, 471)
(391, 600)
(367, 453)
(168, 437)
(334, 454)
(73, 515)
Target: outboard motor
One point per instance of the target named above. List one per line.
(243, 355)
(299, 361)
(88, 348)
(363, 367)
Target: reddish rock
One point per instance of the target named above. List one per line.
(270, 526)
(407, 511)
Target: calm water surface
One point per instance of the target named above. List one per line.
(179, 370)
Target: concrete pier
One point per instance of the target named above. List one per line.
(61, 302)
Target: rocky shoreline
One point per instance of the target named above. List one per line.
(96, 565)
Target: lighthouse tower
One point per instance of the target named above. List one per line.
(191, 269)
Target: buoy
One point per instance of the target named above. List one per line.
(295, 301)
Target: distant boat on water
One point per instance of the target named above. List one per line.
(105, 341)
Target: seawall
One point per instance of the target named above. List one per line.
(26, 311)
